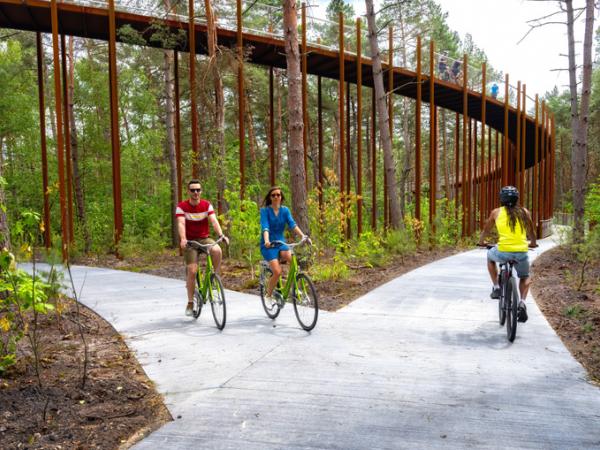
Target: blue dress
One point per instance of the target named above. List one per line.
(275, 225)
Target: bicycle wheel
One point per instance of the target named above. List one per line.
(197, 303)
(271, 307)
(306, 303)
(502, 302)
(512, 297)
(217, 301)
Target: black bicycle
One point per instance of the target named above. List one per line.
(508, 303)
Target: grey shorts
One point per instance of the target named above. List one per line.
(522, 258)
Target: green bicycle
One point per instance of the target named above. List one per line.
(209, 287)
(298, 286)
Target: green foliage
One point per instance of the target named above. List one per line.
(338, 270)
(20, 292)
(367, 249)
(243, 228)
(574, 311)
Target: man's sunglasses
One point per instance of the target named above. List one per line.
(275, 195)
(195, 190)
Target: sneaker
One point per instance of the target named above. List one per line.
(189, 309)
(495, 293)
(522, 312)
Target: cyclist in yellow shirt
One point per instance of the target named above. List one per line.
(515, 227)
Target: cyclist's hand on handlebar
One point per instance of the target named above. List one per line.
(267, 245)
(225, 239)
(183, 243)
(306, 239)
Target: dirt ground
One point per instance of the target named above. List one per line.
(572, 310)
(119, 405)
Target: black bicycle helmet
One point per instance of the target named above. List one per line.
(509, 195)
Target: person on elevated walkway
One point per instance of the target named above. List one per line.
(515, 227)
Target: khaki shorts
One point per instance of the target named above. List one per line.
(191, 255)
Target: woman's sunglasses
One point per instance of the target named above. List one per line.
(275, 195)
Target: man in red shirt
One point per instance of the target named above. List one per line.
(193, 216)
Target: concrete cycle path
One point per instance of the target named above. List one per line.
(420, 362)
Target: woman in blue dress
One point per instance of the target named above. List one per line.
(273, 219)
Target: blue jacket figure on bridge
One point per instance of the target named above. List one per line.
(494, 90)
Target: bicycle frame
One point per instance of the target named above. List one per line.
(203, 282)
(291, 278)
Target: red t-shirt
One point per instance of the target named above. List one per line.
(196, 218)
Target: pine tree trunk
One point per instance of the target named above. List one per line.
(170, 126)
(279, 154)
(406, 135)
(382, 114)
(580, 113)
(219, 102)
(295, 117)
(77, 185)
(4, 230)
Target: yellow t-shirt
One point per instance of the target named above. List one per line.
(510, 241)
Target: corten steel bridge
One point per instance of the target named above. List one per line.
(520, 152)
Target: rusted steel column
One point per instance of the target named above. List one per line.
(497, 173)
(348, 164)
(342, 115)
(432, 138)
(466, 143)
(542, 176)
(68, 167)
(177, 126)
(505, 147)
(552, 166)
(418, 133)
(476, 208)
(386, 198)
(548, 168)
(373, 162)
(272, 129)
(482, 184)
(488, 177)
(241, 96)
(470, 179)
(305, 118)
(59, 132)
(320, 127)
(359, 169)
(114, 124)
(42, 111)
(523, 142)
(456, 162)
(515, 164)
(194, 111)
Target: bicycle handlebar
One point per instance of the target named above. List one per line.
(292, 244)
(488, 246)
(204, 247)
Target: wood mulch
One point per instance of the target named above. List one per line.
(116, 408)
(572, 306)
